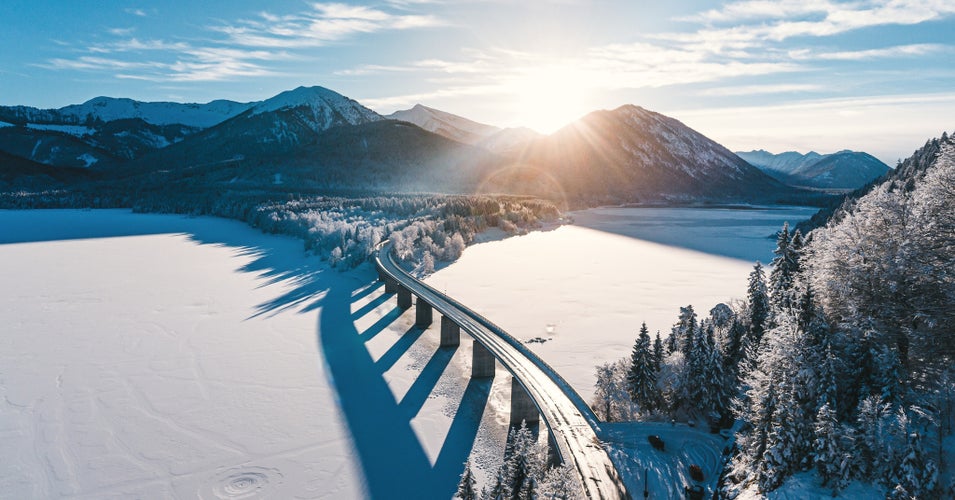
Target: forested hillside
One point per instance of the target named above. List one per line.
(839, 361)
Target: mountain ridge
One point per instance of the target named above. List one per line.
(843, 170)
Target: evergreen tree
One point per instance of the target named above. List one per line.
(758, 302)
(785, 266)
(642, 378)
(657, 353)
(827, 455)
(916, 473)
(684, 330)
(734, 353)
(466, 486)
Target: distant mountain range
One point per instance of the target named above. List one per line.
(313, 139)
(845, 170)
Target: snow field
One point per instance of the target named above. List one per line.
(586, 290)
(148, 356)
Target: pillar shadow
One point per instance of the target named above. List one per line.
(460, 439)
(394, 353)
(418, 393)
(380, 325)
(370, 306)
(393, 460)
(366, 291)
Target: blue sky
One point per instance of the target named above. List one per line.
(871, 75)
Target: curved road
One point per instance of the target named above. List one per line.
(569, 420)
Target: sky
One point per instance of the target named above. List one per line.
(824, 75)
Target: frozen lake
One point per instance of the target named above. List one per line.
(157, 356)
(587, 287)
(154, 356)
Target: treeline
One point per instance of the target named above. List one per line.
(524, 474)
(342, 230)
(839, 361)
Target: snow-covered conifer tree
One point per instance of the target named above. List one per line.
(466, 486)
(642, 378)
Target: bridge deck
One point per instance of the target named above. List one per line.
(570, 421)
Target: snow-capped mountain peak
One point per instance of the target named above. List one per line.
(195, 115)
(319, 107)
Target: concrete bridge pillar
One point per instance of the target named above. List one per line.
(523, 408)
(553, 457)
(482, 362)
(391, 286)
(423, 315)
(450, 333)
(404, 297)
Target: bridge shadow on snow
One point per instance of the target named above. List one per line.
(393, 460)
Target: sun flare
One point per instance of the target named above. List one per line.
(547, 98)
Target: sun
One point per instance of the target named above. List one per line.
(549, 97)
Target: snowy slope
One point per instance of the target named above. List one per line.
(783, 163)
(449, 125)
(156, 113)
(319, 108)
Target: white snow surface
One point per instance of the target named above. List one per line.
(5, 124)
(585, 288)
(74, 130)
(88, 159)
(153, 356)
(157, 113)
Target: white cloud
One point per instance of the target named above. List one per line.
(857, 55)
(781, 88)
(243, 49)
(324, 23)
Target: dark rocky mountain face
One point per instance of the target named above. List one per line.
(21, 174)
(634, 155)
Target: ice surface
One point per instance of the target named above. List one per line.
(586, 291)
(149, 356)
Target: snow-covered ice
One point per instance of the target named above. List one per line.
(587, 287)
(151, 356)
(165, 356)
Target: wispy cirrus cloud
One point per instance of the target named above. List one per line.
(324, 23)
(243, 48)
(859, 55)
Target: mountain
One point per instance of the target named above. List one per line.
(633, 155)
(21, 174)
(781, 164)
(449, 125)
(904, 177)
(107, 109)
(312, 138)
(268, 130)
(458, 128)
(845, 170)
(53, 145)
(104, 130)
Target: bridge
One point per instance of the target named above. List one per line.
(537, 391)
